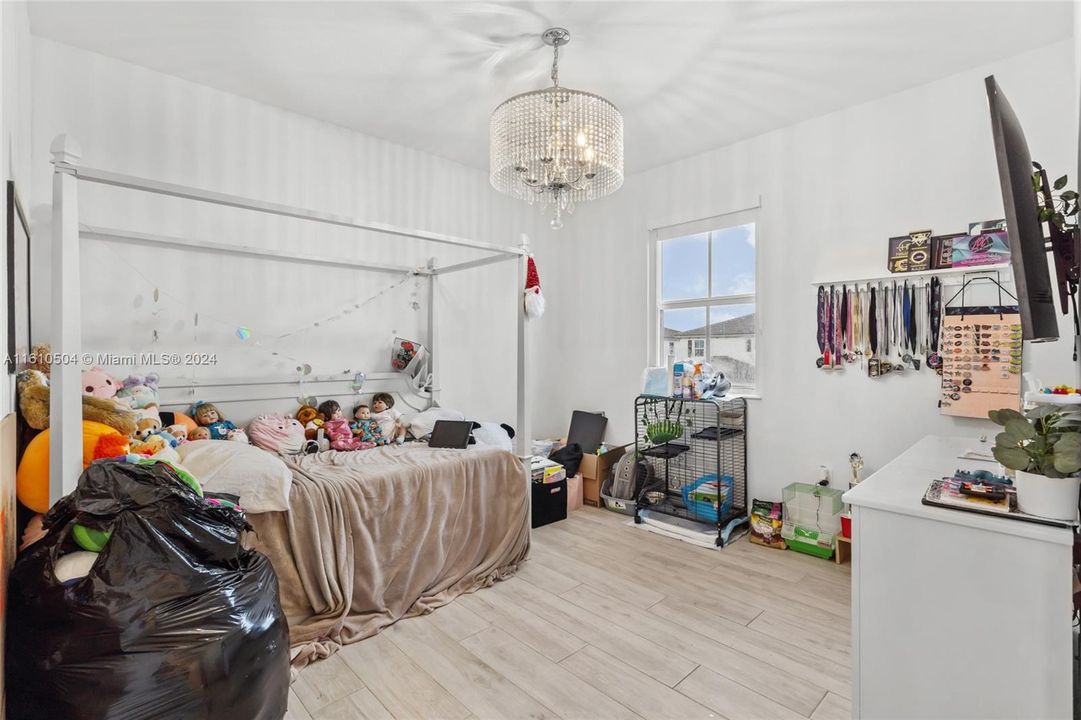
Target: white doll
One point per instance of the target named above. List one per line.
(389, 419)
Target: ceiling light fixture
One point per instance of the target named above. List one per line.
(557, 145)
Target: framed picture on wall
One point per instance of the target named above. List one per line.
(18, 266)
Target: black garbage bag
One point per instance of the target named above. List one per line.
(569, 456)
(174, 620)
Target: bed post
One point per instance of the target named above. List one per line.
(524, 428)
(65, 404)
(433, 330)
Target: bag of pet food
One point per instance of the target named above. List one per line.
(766, 520)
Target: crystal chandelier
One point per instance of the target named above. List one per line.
(557, 145)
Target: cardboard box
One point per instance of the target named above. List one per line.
(595, 469)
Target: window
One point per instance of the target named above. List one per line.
(706, 300)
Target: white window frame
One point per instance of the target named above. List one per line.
(657, 306)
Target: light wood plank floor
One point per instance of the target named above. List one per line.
(608, 621)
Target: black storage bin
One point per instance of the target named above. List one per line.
(549, 502)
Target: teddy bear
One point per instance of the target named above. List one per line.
(99, 383)
(170, 439)
(146, 427)
(33, 390)
(311, 419)
(39, 358)
(151, 446)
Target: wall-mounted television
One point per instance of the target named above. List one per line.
(1028, 254)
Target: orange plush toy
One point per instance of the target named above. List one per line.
(32, 477)
(311, 419)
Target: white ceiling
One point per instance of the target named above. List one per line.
(689, 76)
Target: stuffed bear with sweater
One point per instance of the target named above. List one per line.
(33, 390)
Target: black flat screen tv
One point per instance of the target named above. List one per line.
(1028, 254)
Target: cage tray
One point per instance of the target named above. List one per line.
(674, 506)
(666, 451)
(712, 433)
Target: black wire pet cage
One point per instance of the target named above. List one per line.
(697, 453)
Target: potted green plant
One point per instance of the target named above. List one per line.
(1043, 448)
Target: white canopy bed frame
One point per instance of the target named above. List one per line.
(65, 451)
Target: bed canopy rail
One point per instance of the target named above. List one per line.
(65, 451)
(179, 393)
(156, 187)
(147, 239)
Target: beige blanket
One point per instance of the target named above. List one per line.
(377, 535)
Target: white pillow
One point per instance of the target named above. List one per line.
(493, 434)
(423, 422)
(259, 479)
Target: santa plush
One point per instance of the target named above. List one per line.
(534, 299)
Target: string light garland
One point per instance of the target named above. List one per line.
(245, 333)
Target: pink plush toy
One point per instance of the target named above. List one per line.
(99, 383)
(277, 433)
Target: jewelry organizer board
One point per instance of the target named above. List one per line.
(997, 386)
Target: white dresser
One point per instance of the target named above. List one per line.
(955, 614)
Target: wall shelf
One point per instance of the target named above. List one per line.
(1006, 269)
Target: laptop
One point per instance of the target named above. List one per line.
(453, 434)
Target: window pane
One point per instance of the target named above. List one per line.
(683, 268)
(732, 343)
(681, 330)
(733, 260)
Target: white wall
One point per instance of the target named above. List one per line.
(14, 141)
(832, 190)
(132, 120)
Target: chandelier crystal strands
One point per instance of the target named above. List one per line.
(557, 145)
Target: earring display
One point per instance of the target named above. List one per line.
(986, 365)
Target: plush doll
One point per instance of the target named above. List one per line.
(99, 383)
(40, 355)
(151, 446)
(170, 439)
(237, 435)
(277, 433)
(365, 428)
(208, 416)
(337, 429)
(140, 391)
(389, 419)
(311, 419)
(33, 390)
(146, 427)
(199, 433)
